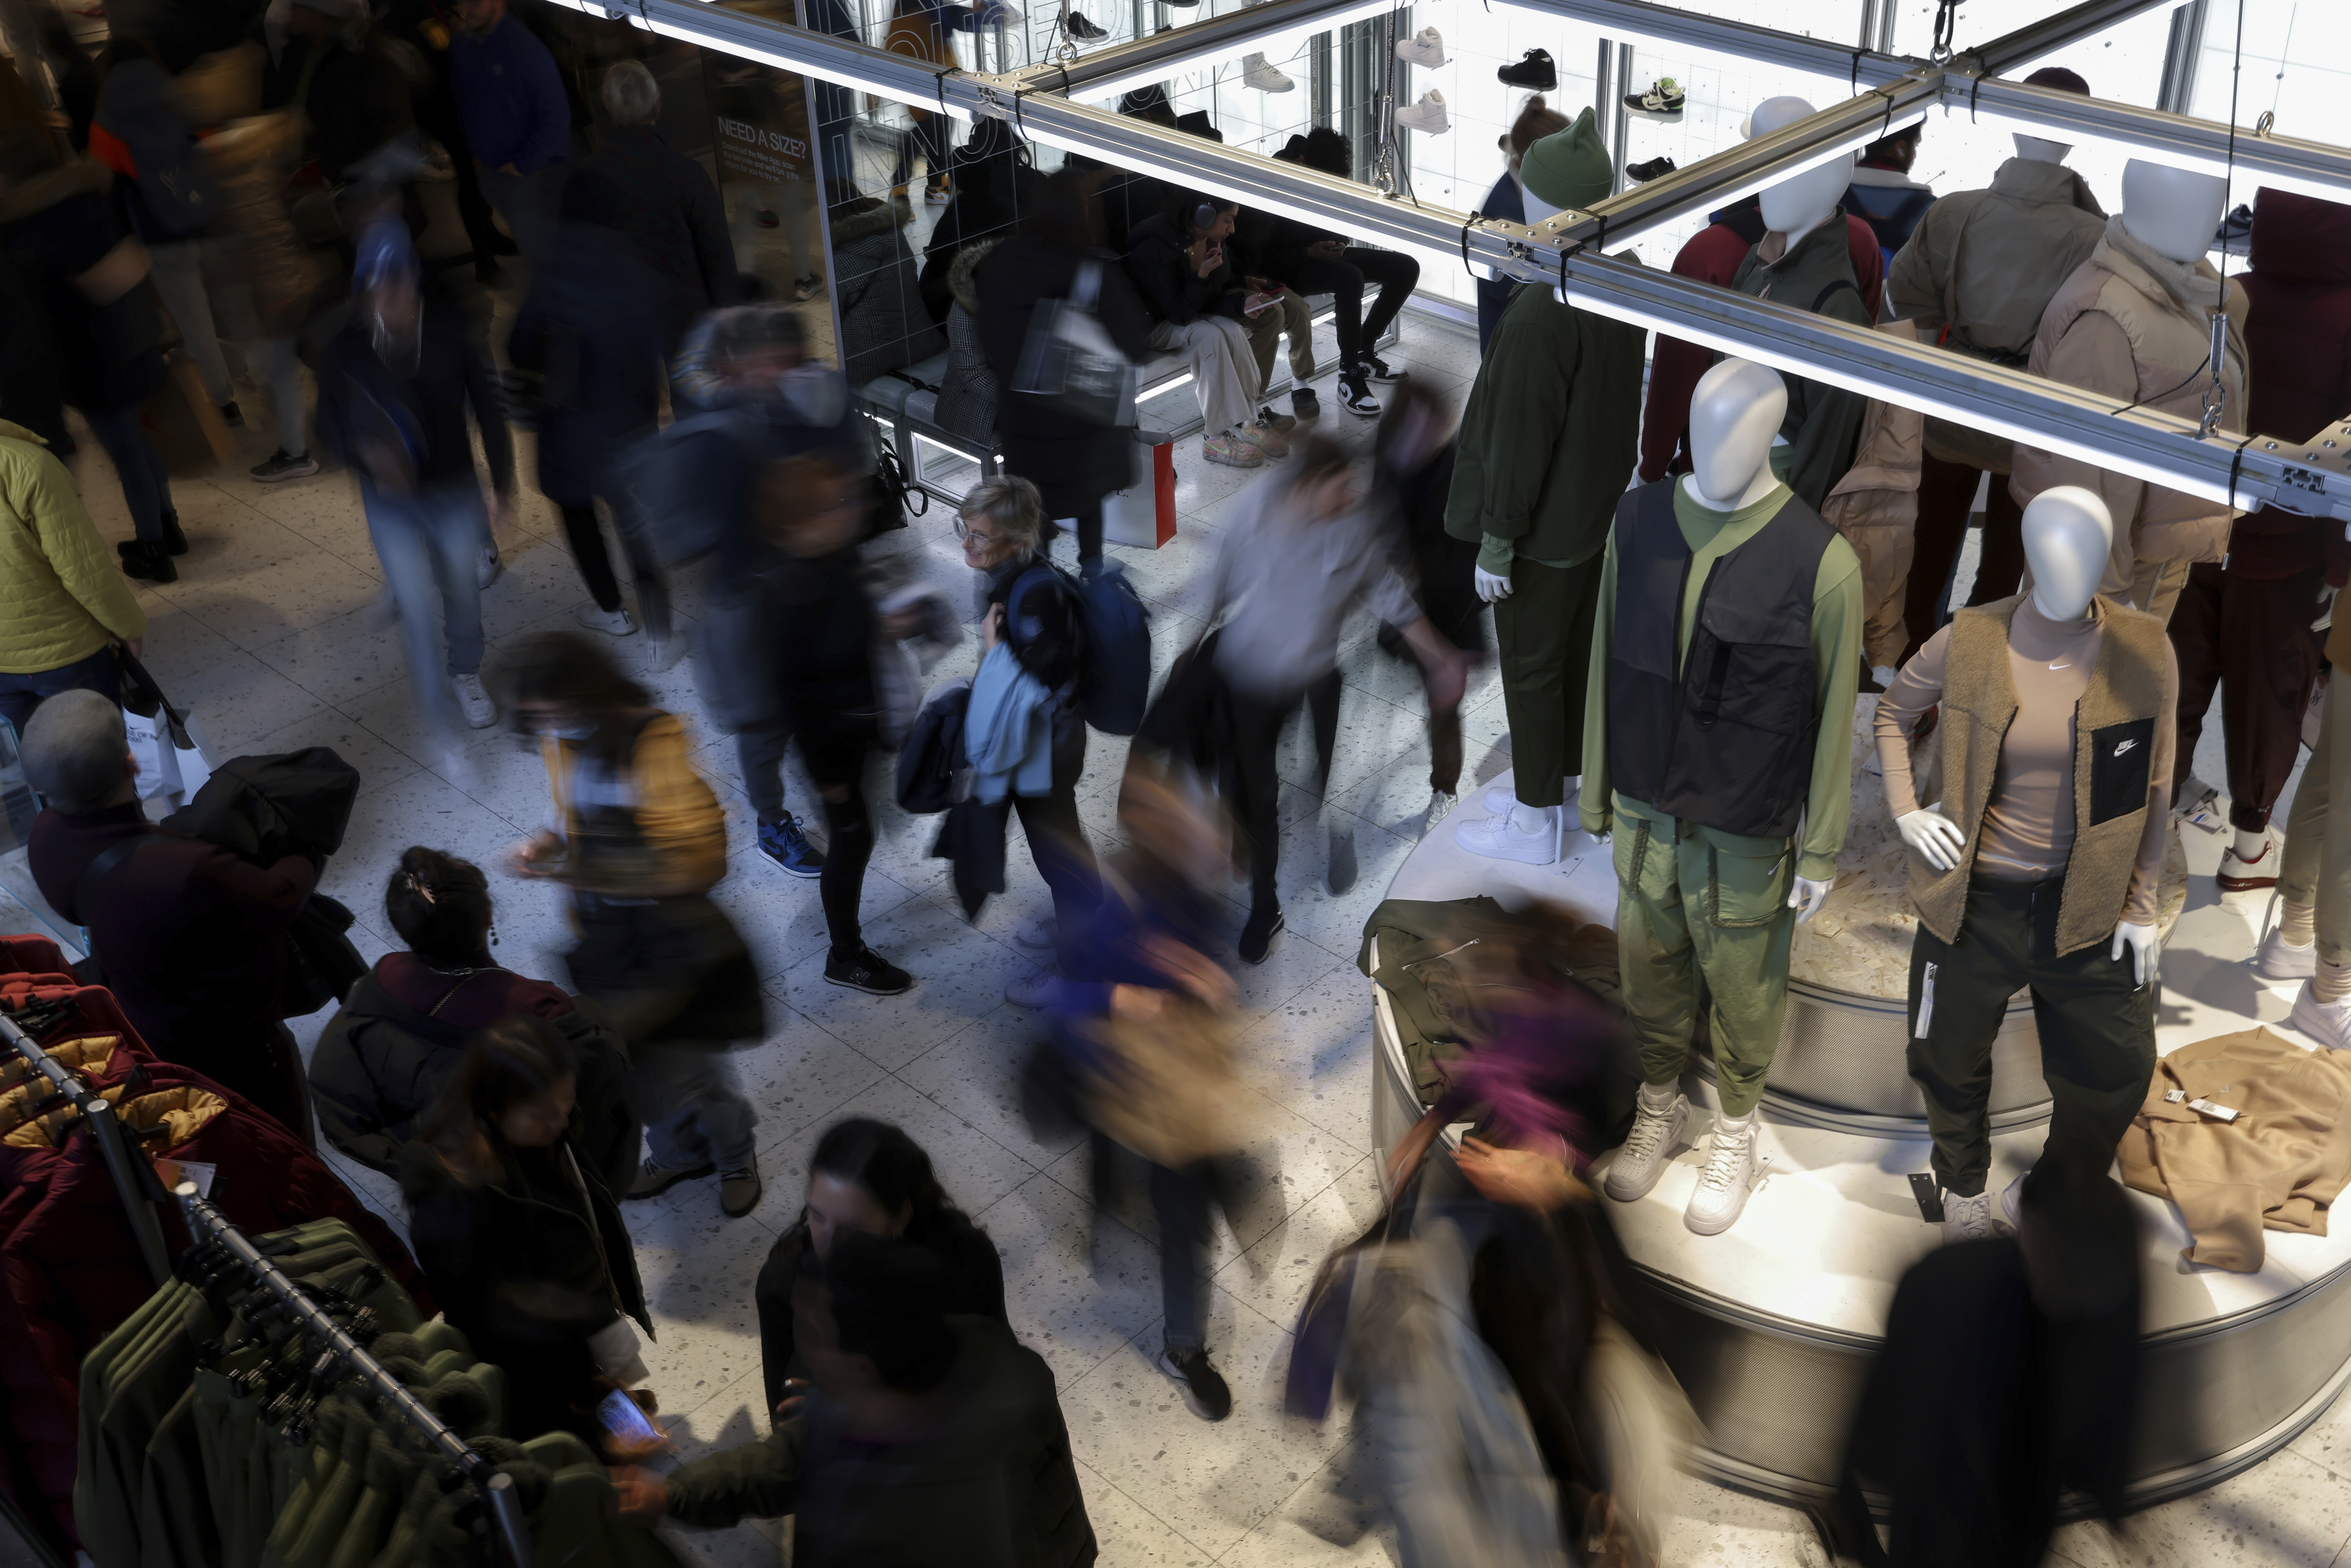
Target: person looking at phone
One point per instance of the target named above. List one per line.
(1181, 270)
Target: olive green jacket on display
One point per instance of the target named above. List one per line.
(1824, 421)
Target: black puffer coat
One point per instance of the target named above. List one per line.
(55, 228)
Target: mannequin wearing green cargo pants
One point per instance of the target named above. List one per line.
(1718, 746)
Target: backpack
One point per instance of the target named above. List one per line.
(667, 486)
(932, 774)
(1113, 643)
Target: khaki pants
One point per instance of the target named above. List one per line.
(1544, 631)
(2318, 865)
(1693, 904)
(1265, 332)
(1885, 551)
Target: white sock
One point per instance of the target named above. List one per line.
(2251, 845)
(1530, 821)
(1655, 1097)
(1734, 1124)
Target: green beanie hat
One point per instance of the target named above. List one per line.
(1569, 168)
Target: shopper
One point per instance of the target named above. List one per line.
(524, 1249)
(1072, 464)
(424, 28)
(1412, 472)
(85, 274)
(1883, 195)
(401, 1030)
(1507, 200)
(517, 119)
(1316, 261)
(351, 95)
(640, 841)
(1299, 551)
(1196, 301)
(663, 202)
(393, 388)
(868, 1176)
(190, 938)
(1001, 525)
(63, 605)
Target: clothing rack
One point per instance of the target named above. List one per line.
(205, 1223)
(113, 1144)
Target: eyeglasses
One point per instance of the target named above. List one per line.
(972, 535)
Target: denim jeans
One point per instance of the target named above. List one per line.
(146, 485)
(179, 274)
(20, 694)
(430, 544)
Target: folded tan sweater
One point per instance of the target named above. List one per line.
(2279, 1164)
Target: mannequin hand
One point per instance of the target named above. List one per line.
(2325, 610)
(2145, 949)
(1807, 896)
(1490, 587)
(1934, 836)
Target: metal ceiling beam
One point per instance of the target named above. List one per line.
(1674, 27)
(1229, 35)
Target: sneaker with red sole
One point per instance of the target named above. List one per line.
(2241, 874)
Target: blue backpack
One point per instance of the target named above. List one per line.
(1113, 643)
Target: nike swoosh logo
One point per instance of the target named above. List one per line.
(2066, 665)
(2126, 746)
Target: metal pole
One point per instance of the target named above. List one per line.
(113, 1147)
(506, 1513)
(1624, 115)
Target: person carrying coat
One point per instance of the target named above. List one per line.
(62, 603)
(663, 202)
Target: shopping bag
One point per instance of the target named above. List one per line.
(1069, 358)
(1144, 513)
(170, 755)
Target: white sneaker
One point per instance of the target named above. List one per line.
(2328, 1023)
(1035, 990)
(1528, 834)
(1258, 72)
(1657, 1132)
(2250, 868)
(487, 570)
(1440, 805)
(663, 653)
(1039, 935)
(613, 623)
(2279, 960)
(474, 702)
(1427, 116)
(1425, 47)
(1968, 1218)
(1729, 1176)
(1501, 798)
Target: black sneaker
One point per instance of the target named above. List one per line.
(148, 563)
(1205, 1392)
(1640, 173)
(1256, 937)
(1083, 27)
(866, 971)
(1355, 398)
(1377, 368)
(1534, 71)
(1339, 867)
(784, 843)
(1280, 424)
(280, 465)
(174, 541)
(231, 415)
(653, 1180)
(1305, 403)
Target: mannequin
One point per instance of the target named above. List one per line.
(2134, 321)
(1717, 745)
(1536, 490)
(2034, 150)
(1803, 260)
(2012, 888)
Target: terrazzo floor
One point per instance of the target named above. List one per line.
(272, 636)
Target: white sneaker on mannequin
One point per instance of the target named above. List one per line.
(1528, 834)
(1968, 1218)
(1729, 1176)
(2279, 960)
(2328, 1023)
(1501, 798)
(1660, 1115)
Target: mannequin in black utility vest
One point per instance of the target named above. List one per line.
(1717, 745)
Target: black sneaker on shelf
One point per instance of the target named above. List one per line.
(1256, 937)
(1377, 368)
(1355, 398)
(147, 562)
(866, 971)
(1081, 26)
(279, 466)
(1305, 403)
(1535, 71)
(2235, 234)
(174, 541)
(1642, 172)
(231, 415)
(1205, 1392)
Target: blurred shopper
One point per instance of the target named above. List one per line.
(346, 84)
(1144, 1026)
(1316, 261)
(426, 27)
(1300, 550)
(928, 1438)
(596, 360)
(517, 119)
(1195, 298)
(63, 604)
(663, 202)
(393, 388)
(524, 1249)
(870, 1176)
(1412, 472)
(1508, 200)
(640, 842)
(883, 323)
(2010, 1375)
(401, 1034)
(86, 274)
(32, 374)
(191, 939)
(1001, 526)
(1072, 464)
(993, 185)
(1883, 195)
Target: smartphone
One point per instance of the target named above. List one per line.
(1256, 303)
(622, 1417)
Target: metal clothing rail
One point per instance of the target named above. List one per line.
(207, 1224)
(113, 1145)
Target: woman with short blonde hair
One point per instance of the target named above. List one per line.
(1006, 509)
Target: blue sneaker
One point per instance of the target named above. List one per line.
(784, 843)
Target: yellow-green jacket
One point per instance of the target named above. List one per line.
(62, 598)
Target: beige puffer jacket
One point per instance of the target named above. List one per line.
(2119, 327)
(62, 598)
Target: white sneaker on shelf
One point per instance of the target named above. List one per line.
(2279, 960)
(1968, 1218)
(1440, 805)
(1528, 834)
(474, 703)
(2328, 1023)
(1425, 47)
(1729, 1176)
(1659, 1116)
(1258, 72)
(1427, 116)
(612, 623)
(1039, 935)
(490, 567)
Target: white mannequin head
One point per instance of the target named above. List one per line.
(2034, 150)
(1798, 205)
(2172, 211)
(1734, 415)
(2068, 535)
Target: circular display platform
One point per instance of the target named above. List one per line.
(1772, 1324)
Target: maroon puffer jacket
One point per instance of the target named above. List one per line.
(2298, 345)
